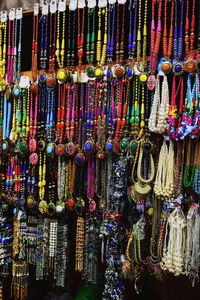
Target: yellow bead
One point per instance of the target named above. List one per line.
(150, 211)
(98, 72)
(61, 75)
(143, 78)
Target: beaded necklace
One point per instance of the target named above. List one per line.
(3, 37)
(112, 115)
(71, 38)
(17, 66)
(132, 30)
(101, 51)
(159, 110)
(119, 52)
(155, 35)
(60, 39)
(111, 29)
(168, 40)
(11, 48)
(52, 42)
(142, 68)
(80, 37)
(60, 119)
(90, 40)
(44, 21)
(35, 47)
(190, 65)
(178, 41)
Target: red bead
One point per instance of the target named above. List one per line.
(119, 72)
(70, 202)
(80, 53)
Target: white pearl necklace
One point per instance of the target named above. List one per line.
(192, 253)
(159, 112)
(164, 183)
(174, 243)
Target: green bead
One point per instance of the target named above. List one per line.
(132, 120)
(134, 146)
(90, 70)
(123, 144)
(23, 147)
(137, 119)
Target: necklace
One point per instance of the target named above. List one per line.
(44, 20)
(111, 29)
(175, 112)
(3, 37)
(178, 41)
(142, 66)
(190, 112)
(60, 39)
(35, 47)
(101, 51)
(159, 109)
(132, 29)
(189, 170)
(80, 37)
(190, 65)
(52, 42)
(155, 35)
(120, 37)
(90, 45)
(168, 41)
(164, 182)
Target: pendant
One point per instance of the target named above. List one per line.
(51, 208)
(133, 147)
(109, 146)
(90, 72)
(70, 149)
(50, 149)
(151, 83)
(34, 88)
(61, 75)
(33, 158)
(79, 207)
(100, 154)
(98, 72)
(143, 77)
(109, 73)
(30, 201)
(80, 159)
(118, 71)
(129, 71)
(70, 203)
(41, 145)
(178, 69)
(166, 66)
(5, 147)
(17, 92)
(60, 207)
(89, 147)
(124, 144)
(60, 149)
(51, 80)
(43, 78)
(43, 207)
(190, 66)
(23, 147)
(147, 145)
(32, 145)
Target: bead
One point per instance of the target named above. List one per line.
(80, 159)
(109, 146)
(123, 144)
(143, 78)
(61, 75)
(70, 203)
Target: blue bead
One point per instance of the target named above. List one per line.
(49, 149)
(16, 92)
(129, 72)
(109, 146)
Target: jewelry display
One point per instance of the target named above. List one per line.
(99, 144)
